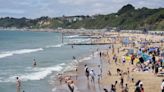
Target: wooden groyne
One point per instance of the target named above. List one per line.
(88, 43)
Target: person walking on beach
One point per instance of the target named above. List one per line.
(162, 86)
(156, 68)
(121, 81)
(86, 71)
(115, 59)
(126, 89)
(138, 86)
(18, 84)
(100, 70)
(99, 73)
(92, 75)
(100, 54)
(113, 88)
(132, 59)
(141, 88)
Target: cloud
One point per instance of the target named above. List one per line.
(11, 11)
(77, 2)
(53, 8)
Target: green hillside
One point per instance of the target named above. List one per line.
(126, 18)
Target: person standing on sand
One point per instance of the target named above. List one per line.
(100, 70)
(100, 54)
(86, 71)
(113, 88)
(132, 59)
(154, 59)
(126, 89)
(99, 73)
(141, 88)
(121, 81)
(18, 84)
(116, 60)
(92, 75)
(156, 68)
(138, 86)
(162, 86)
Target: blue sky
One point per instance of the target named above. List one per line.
(55, 8)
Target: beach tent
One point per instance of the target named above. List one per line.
(146, 57)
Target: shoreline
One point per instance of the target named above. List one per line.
(85, 31)
(108, 80)
(78, 76)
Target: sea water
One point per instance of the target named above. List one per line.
(18, 49)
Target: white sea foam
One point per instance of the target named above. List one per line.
(73, 65)
(53, 46)
(3, 55)
(37, 74)
(71, 36)
(79, 40)
(21, 51)
(85, 58)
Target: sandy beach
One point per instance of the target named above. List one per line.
(151, 82)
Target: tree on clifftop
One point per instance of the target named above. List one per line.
(126, 8)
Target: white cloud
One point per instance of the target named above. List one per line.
(99, 5)
(11, 11)
(77, 2)
(37, 8)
